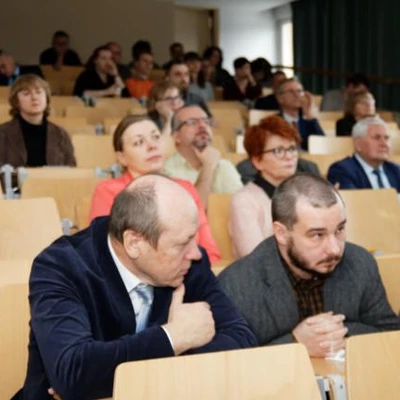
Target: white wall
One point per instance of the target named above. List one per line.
(26, 26)
(246, 32)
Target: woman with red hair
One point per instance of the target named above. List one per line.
(273, 148)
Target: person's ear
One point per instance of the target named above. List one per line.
(256, 161)
(132, 243)
(121, 158)
(281, 233)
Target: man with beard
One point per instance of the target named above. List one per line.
(179, 75)
(196, 160)
(306, 283)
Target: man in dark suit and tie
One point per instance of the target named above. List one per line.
(297, 108)
(369, 167)
(306, 283)
(133, 286)
(10, 70)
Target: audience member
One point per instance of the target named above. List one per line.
(100, 78)
(134, 286)
(334, 100)
(139, 147)
(261, 70)
(139, 83)
(176, 52)
(116, 53)
(29, 139)
(198, 83)
(139, 47)
(306, 284)
(178, 74)
(272, 147)
(358, 106)
(195, 159)
(164, 100)
(10, 70)
(269, 102)
(243, 86)
(59, 53)
(297, 108)
(214, 55)
(369, 167)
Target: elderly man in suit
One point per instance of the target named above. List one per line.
(369, 167)
(131, 287)
(306, 283)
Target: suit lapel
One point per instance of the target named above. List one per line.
(362, 175)
(121, 302)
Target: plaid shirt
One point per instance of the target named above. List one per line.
(308, 294)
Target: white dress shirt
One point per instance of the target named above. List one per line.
(131, 281)
(373, 178)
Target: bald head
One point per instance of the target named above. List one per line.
(7, 65)
(150, 205)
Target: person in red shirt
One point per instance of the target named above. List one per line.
(139, 144)
(139, 84)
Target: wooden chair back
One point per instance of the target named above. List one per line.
(323, 161)
(373, 219)
(74, 125)
(69, 193)
(218, 209)
(14, 336)
(23, 233)
(389, 269)
(95, 115)
(94, 151)
(14, 272)
(330, 145)
(255, 116)
(4, 93)
(274, 373)
(373, 366)
(330, 115)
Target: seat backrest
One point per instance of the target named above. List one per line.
(330, 115)
(68, 193)
(4, 93)
(59, 103)
(94, 151)
(5, 110)
(373, 219)
(23, 233)
(255, 116)
(218, 209)
(14, 271)
(74, 125)
(276, 372)
(14, 336)
(373, 366)
(95, 115)
(389, 269)
(330, 145)
(323, 161)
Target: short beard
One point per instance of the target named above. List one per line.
(299, 262)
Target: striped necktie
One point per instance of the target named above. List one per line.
(379, 176)
(145, 293)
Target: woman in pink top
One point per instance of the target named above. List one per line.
(272, 146)
(138, 144)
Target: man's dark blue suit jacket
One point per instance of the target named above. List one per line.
(350, 174)
(83, 323)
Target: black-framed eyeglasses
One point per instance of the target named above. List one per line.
(195, 122)
(280, 152)
(171, 99)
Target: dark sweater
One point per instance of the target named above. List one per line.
(35, 139)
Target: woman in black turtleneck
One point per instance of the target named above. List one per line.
(29, 139)
(272, 146)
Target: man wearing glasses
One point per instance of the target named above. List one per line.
(196, 160)
(297, 108)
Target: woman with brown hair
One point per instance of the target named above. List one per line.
(29, 139)
(273, 148)
(357, 106)
(139, 147)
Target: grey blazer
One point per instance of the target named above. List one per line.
(59, 149)
(259, 286)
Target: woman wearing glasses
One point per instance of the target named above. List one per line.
(139, 147)
(272, 147)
